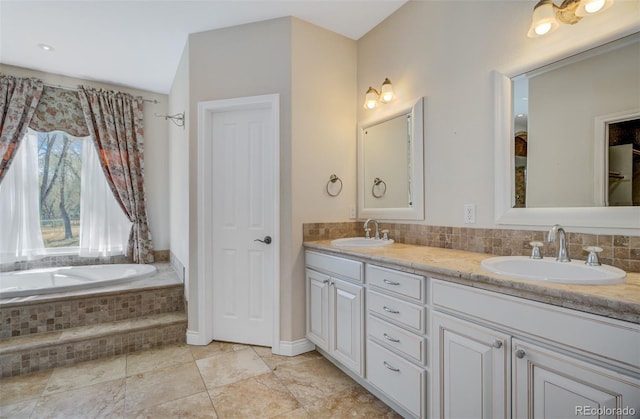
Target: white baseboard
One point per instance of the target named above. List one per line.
(286, 348)
(195, 338)
(296, 347)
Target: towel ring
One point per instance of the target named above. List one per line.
(376, 182)
(333, 179)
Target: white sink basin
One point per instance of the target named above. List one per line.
(360, 242)
(550, 270)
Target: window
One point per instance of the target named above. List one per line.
(60, 167)
(58, 201)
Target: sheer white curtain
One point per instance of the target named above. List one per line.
(104, 227)
(20, 234)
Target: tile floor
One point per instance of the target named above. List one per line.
(221, 380)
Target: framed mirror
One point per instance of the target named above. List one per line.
(390, 165)
(558, 129)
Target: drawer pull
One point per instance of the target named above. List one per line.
(389, 338)
(389, 310)
(386, 281)
(389, 367)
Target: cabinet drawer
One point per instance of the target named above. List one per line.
(399, 379)
(335, 266)
(407, 343)
(399, 311)
(402, 283)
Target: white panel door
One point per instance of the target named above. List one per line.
(347, 327)
(547, 384)
(243, 212)
(318, 309)
(473, 370)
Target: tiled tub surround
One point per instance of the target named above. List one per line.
(621, 301)
(42, 332)
(620, 251)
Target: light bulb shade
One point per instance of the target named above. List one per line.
(371, 98)
(386, 92)
(544, 19)
(590, 7)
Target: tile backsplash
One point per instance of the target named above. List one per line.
(620, 251)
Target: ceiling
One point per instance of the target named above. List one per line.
(138, 43)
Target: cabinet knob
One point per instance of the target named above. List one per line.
(326, 281)
(520, 353)
(497, 343)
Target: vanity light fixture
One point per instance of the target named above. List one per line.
(547, 16)
(373, 97)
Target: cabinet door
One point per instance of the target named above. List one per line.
(318, 309)
(473, 363)
(346, 329)
(547, 384)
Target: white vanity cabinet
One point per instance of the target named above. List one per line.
(335, 308)
(474, 369)
(501, 356)
(397, 337)
(434, 348)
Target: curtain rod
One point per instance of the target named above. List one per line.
(75, 89)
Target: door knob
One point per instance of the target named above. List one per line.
(266, 240)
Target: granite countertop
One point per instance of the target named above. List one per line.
(620, 301)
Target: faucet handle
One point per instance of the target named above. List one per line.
(367, 233)
(592, 259)
(385, 234)
(535, 251)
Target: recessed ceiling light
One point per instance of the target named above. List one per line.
(45, 47)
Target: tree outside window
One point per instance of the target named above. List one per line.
(60, 165)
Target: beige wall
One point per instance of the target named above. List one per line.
(323, 111)
(156, 158)
(314, 71)
(179, 165)
(246, 60)
(446, 51)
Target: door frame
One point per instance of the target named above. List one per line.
(601, 151)
(205, 239)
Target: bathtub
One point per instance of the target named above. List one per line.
(68, 278)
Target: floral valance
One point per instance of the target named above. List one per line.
(59, 109)
(18, 99)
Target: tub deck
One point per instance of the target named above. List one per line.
(64, 279)
(41, 332)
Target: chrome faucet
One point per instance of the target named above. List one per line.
(367, 230)
(563, 254)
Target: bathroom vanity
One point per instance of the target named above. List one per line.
(433, 335)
